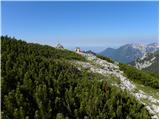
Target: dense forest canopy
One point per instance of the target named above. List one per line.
(38, 82)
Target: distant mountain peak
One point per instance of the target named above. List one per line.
(130, 52)
(154, 43)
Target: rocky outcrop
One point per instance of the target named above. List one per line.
(103, 67)
(59, 46)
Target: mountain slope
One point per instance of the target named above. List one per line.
(44, 82)
(149, 62)
(143, 86)
(129, 52)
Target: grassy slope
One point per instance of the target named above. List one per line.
(144, 80)
(38, 82)
(139, 76)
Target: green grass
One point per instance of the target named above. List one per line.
(149, 90)
(139, 76)
(105, 58)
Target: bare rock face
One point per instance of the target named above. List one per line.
(103, 67)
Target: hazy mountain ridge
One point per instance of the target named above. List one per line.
(129, 52)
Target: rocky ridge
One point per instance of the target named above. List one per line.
(149, 62)
(145, 64)
(97, 65)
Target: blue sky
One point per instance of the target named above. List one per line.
(84, 24)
